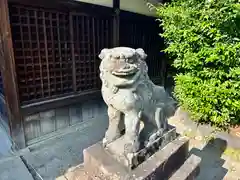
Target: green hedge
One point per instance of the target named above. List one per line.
(203, 39)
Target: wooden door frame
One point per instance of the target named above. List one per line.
(9, 79)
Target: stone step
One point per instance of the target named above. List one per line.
(76, 173)
(189, 170)
(171, 161)
(161, 165)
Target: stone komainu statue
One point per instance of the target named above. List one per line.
(133, 98)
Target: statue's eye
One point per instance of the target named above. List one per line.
(130, 60)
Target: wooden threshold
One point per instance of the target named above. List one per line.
(61, 132)
(59, 102)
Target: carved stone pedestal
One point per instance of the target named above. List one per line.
(132, 160)
(170, 162)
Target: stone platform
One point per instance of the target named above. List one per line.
(132, 160)
(171, 162)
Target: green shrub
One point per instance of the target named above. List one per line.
(203, 39)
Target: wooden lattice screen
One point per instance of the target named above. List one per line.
(141, 32)
(90, 35)
(56, 52)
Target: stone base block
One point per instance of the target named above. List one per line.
(132, 160)
(189, 170)
(161, 165)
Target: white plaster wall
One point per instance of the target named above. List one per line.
(136, 6)
(107, 3)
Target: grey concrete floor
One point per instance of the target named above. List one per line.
(53, 157)
(6, 142)
(12, 168)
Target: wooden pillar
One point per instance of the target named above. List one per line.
(116, 22)
(8, 70)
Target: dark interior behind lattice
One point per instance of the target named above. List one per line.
(143, 32)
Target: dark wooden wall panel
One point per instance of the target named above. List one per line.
(1, 85)
(8, 71)
(140, 31)
(3, 105)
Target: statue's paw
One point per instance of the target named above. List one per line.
(104, 142)
(153, 137)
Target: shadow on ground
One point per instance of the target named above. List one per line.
(211, 166)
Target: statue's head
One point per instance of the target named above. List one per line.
(122, 61)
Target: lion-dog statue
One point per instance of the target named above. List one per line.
(133, 98)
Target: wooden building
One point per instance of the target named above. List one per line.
(49, 59)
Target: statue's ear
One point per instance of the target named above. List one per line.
(103, 53)
(141, 53)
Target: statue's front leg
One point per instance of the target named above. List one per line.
(161, 125)
(132, 125)
(113, 132)
(161, 119)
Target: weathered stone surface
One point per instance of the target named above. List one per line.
(131, 161)
(161, 165)
(133, 98)
(189, 170)
(77, 174)
(61, 178)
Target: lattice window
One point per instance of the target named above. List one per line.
(90, 35)
(56, 53)
(42, 52)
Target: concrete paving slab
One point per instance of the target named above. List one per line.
(182, 119)
(215, 165)
(53, 157)
(6, 143)
(14, 169)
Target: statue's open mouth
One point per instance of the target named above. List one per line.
(126, 72)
